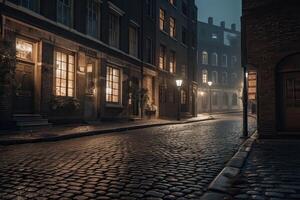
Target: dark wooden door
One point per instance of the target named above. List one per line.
(290, 110)
(24, 89)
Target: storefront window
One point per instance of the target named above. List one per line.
(113, 82)
(64, 74)
(24, 50)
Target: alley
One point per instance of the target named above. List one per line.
(167, 162)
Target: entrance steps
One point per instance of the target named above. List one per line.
(30, 121)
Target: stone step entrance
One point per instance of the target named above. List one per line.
(30, 121)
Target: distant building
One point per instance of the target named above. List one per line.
(87, 60)
(219, 61)
(271, 35)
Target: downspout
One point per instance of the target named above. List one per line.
(142, 61)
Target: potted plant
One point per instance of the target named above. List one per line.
(64, 104)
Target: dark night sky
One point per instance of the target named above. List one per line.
(221, 10)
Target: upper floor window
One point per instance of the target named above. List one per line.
(114, 30)
(204, 76)
(184, 7)
(93, 17)
(162, 16)
(149, 51)
(233, 61)
(224, 60)
(214, 77)
(204, 57)
(184, 71)
(162, 57)
(184, 36)
(64, 12)
(30, 4)
(172, 27)
(233, 77)
(24, 50)
(64, 74)
(214, 59)
(149, 8)
(224, 78)
(172, 62)
(214, 36)
(133, 41)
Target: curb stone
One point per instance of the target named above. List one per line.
(95, 132)
(219, 187)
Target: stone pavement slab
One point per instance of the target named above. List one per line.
(80, 130)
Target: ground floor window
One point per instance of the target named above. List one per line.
(113, 84)
(64, 74)
(183, 97)
(234, 99)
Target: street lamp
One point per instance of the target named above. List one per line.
(178, 84)
(209, 83)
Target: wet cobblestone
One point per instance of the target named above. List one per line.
(272, 172)
(169, 162)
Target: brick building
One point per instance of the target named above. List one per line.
(219, 61)
(176, 45)
(82, 60)
(271, 31)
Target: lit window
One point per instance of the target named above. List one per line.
(113, 83)
(224, 60)
(214, 59)
(204, 76)
(204, 58)
(161, 19)
(64, 74)
(172, 27)
(90, 79)
(214, 36)
(24, 50)
(162, 57)
(93, 8)
(64, 12)
(173, 62)
(114, 30)
(133, 42)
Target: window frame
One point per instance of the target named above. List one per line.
(162, 57)
(67, 71)
(172, 62)
(172, 27)
(214, 59)
(71, 6)
(204, 57)
(214, 79)
(98, 19)
(162, 19)
(204, 76)
(133, 50)
(114, 30)
(149, 58)
(224, 64)
(119, 102)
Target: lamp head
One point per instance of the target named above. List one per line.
(178, 82)
(209, 83)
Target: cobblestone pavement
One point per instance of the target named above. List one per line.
(168, 162)
(272, 172)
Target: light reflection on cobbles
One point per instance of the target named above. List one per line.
(169, 162)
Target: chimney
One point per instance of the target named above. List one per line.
(233, 27)
(211, 20)
(222, 24)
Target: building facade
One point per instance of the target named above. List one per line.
(82, 60)
(176, 58)
(270, 31)
(219, 62)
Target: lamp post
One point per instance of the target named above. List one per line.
(245, 104)
(209, 83)
(178, 84)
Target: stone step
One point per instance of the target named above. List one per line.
(30, 121)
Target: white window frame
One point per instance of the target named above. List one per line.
(214, 59)
(204, 76)
(204, 57)
(119, 101)
(214, 77)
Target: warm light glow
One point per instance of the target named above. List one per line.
(178, 83)
(246, 74)
(24, 49)
(209, 83)
(202, 93)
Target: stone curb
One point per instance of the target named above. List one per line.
(220, 186)
(95, 132)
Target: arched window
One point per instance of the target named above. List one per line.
(224, 60)
(214, 59)
(204, 57)
(224, 78)
(204, 76)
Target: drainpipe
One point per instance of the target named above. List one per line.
(142, 59)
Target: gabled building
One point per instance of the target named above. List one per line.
(219, 61)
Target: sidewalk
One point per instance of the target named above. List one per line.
(79, 130)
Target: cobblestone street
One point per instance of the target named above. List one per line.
(272, 172)
(167, 162)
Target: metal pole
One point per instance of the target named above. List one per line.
(178, 109)
(245, 105)
(210, 106)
